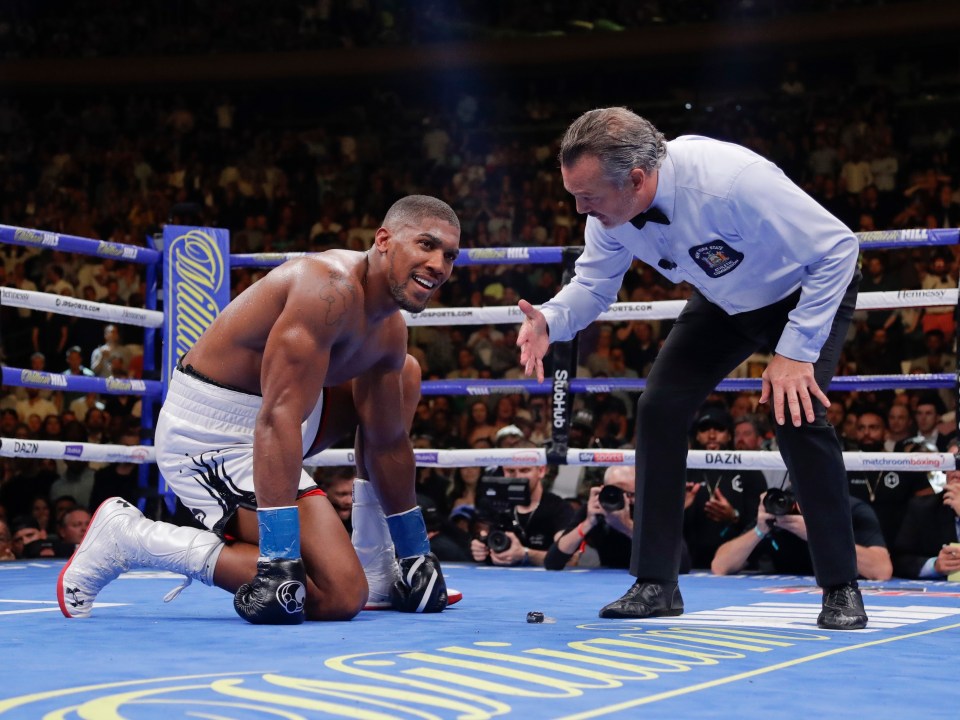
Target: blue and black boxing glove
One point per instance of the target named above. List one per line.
(421, 587)
(277, 594)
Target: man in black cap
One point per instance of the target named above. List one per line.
(719, 502)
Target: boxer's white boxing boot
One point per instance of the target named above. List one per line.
(371, 539)
(120, 538)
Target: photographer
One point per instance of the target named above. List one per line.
(778, 542)
(604, 524)
(521, 535)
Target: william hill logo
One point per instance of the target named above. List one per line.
(35, 377)
(109, 249)
(124, 385)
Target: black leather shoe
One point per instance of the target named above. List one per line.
(646, 600)
(842, 608)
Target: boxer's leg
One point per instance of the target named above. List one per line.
(336, 586)
(119, 539)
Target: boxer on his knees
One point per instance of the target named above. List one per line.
(245, 406)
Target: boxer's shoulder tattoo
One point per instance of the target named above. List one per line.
(337, 296)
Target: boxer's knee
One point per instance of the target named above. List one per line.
(343, 601)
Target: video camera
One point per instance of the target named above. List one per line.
(778, 501)
(497, 497)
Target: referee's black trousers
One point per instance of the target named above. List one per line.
(703, 347)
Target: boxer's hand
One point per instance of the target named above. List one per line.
(421, 588)
(275, 596)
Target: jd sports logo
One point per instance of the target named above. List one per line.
(716, 257)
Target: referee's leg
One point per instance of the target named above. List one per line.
(701, 349)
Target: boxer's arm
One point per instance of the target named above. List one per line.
(382, 437)
(296, 358)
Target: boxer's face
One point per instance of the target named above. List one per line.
(420, 259)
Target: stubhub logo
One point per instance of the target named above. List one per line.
(73, 450)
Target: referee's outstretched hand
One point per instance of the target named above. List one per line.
(533, 340)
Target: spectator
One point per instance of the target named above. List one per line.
(6, 542)
(337, 483)
(476, 422)
(927, 417)
(928, 544)
(719, 503)
(101, 359)
(899, 426)
(34, 404)
(76, 481)
(748, 435)
(30, 541)
(778, 544)
(119, 479)
(40, 510)
(464, 488)
(72, 527)
(886, 491)
(447, 542)
(938, 317)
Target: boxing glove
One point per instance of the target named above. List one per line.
(275, 596)
(421, 588)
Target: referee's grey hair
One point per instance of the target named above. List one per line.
(414, 208)
(619, 138)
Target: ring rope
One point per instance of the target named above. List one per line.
(21, 377)
(598, 457)
(84, 246)
(917, 381)
(594, 457)
(665, 309)
(65, 305)
(92, 452)
(873, 240)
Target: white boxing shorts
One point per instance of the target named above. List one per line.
(204, 443)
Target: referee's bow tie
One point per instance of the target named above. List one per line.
(654, 215)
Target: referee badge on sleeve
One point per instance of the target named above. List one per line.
(716, 258)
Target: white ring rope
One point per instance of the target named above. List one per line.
(598, 457)
(592, 457)
(92, 452)
(65, 305)
(666, 309)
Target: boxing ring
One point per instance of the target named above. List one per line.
(747, 644)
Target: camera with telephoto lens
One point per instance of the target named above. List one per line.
(611, 498)
(780, 502)
(497, 499)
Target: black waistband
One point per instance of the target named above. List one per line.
(192, 372)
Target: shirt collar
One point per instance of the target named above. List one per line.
(666, 196)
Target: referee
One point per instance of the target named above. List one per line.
(771, 269)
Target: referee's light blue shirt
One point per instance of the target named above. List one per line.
(740, 232)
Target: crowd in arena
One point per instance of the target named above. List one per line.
(123, 28)
(119, 166)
